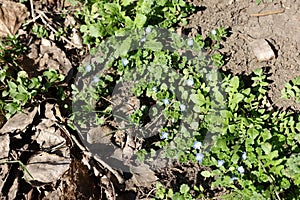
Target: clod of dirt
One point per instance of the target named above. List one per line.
(19, 121)
(12, 15)
(262, 50)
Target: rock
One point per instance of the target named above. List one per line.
(262, 50)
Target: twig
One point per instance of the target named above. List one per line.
(44, 18)
(149, 193)
(32, 9)
(267, 13)
(96, 158)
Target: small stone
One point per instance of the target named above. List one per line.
(262, 50)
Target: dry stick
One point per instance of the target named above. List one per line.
(43, 18)
(267, 13)
(32, 9)
(149, 193)
(89, 154)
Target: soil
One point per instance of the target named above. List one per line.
(282, 32)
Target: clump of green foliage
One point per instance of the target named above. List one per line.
(292, 90)
(106, 18)
(17, 89)
(253, 152)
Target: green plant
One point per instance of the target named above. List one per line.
(256, 153)
(107, 18)
(10, 49)
(261, 1)
(182, 194)
(253, 151)
(40, 31)
(19, 91)
(292, 90)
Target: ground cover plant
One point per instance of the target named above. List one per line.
(183, 108)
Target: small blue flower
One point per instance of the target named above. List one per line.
(190, 82)
(148, 30)
(182, 107)
(164, 135)
(96, 79)
(241, 169)
(125, 62)
(190, 42)
(166, 101)
(244, 155)
(197, 145)
(143, 39)
(154, 89)
(88, 68)
(233, 178)
(199, 157)
(213, 32)
(220, 163)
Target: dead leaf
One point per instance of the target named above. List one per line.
(53, 195)
(12, 15)
(54, 58)
(99, 134)
(142, 176)
(13, 191)
(4, 146)
(48, 136)
(47, 168)
(19, 121)
(4, 151)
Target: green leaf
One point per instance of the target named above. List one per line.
(124, 47)
(140, 20)
(153, 45)
(198, 99)
(11, 108)
(266, 134)
(206, 174)
(258, 71)
(237, 98)
(94, 30)
(234, 82)
(83, 28)
(184, 189)
(284, 183)
(22, 89)
(126, 2)
(253, 133)
(266, 147)
(5, 93)
(22, 74)
(219, 97)
(12, 85)
(128, 22)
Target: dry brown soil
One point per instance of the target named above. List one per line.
(282, 31)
